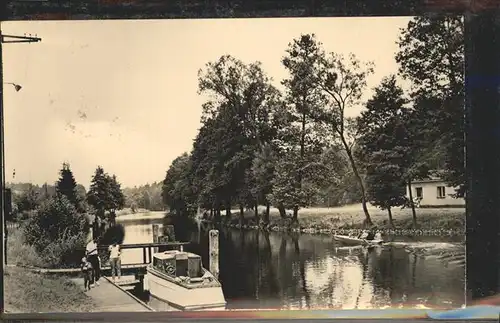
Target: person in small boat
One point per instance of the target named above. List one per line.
(363, 235)
(86, 267)
(371, 235)
(114, 260)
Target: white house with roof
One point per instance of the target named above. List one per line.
(434, 192)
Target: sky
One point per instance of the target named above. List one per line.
(122, 94)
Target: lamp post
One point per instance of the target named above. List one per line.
(5, 191)
(17, 87)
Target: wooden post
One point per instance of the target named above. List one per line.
(144, 255)
(214, 252)
(156, 232)
(156, 235)
(150, 254)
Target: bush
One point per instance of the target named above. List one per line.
(56, 231)
(64, 252)
(24, 215)
(21, 253)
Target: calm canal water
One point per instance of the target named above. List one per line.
(274, 270)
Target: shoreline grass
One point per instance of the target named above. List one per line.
(27, 292)
(441, 221)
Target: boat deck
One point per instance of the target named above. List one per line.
(110, 297)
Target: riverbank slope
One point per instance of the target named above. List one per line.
(28, 292)
(352, 217)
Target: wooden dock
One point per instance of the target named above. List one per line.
(110, 297)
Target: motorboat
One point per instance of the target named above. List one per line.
(178, 279)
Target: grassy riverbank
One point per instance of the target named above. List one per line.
(26, 291)
(352, 217)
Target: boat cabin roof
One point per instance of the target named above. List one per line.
(171, 254)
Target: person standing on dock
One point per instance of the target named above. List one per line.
(114, 260)
(91, 253)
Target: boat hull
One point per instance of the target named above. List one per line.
(184, 299)
(357, 242)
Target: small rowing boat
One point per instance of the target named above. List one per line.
(352, 241)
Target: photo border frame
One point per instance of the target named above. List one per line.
(482, 50)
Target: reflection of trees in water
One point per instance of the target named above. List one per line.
(269, 277)
(302, 269)
(412, 279)
(390, 271)
(282, 267)
(261, 269)
(364, 269)
(414, 271)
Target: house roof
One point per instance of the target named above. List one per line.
(432, 178)
(428, 180)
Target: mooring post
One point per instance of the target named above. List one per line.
(156, 235)
(214, 252)
(156, 232)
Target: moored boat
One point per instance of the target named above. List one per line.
(178, 279)
(353, 241)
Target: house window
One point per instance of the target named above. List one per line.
(441, 192)
(419, 192)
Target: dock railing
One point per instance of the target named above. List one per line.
(147, 248)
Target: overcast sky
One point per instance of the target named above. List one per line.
(123, 94)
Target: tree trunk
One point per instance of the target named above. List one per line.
(389, 211)
(211, 214)
(282, 210)
(413, 212)
(256, 212)
(299, 173)
(217, 214)
(368, 220)
(242, 214)
(102, 228)
(95, 229)
(228, 212)
(266, 215)
(295, 214)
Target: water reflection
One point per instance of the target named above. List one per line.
(274, 270)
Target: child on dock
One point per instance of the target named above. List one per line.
(87, 273)
(114, 260)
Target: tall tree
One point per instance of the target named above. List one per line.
(98, 196)
(302, 58)
(343, 80)
(67, 186)
(431, 56)
(242, 98)
(176, 191)
(389, 147)
(116, 199)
